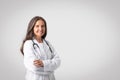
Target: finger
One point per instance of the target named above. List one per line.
(37, 63)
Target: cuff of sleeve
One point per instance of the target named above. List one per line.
(45, 63)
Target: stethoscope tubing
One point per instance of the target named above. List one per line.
(35, 44)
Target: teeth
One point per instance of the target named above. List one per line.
(40, 32)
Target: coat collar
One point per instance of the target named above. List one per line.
(35, 41)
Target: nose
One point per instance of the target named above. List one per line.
(40, 28)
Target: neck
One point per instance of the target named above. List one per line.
(40, 40)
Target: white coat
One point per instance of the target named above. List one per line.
(50, 60)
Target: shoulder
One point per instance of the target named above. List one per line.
(28, 43)
(48, 42)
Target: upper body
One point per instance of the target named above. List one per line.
(47, 61)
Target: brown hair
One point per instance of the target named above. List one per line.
(30, 33)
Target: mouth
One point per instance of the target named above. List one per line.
(41, 32)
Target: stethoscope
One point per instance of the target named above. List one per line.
(35, 44)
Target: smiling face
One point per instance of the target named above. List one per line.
(39, 29)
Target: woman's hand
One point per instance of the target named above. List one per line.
(38, 63)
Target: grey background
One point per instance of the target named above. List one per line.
(85, 33)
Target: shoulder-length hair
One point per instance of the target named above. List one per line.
(30, 32)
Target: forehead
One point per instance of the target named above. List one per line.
(40, 22)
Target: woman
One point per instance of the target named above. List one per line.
(40, 58)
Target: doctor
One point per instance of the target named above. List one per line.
(40, 58)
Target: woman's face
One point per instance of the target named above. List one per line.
(39, 29)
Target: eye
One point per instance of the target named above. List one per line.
(43, 26)
(37, 26)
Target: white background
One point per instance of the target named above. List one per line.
(85, 33)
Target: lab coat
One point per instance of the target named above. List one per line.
(50, 60)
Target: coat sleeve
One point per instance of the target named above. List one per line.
(54, 63)
(29, 57)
